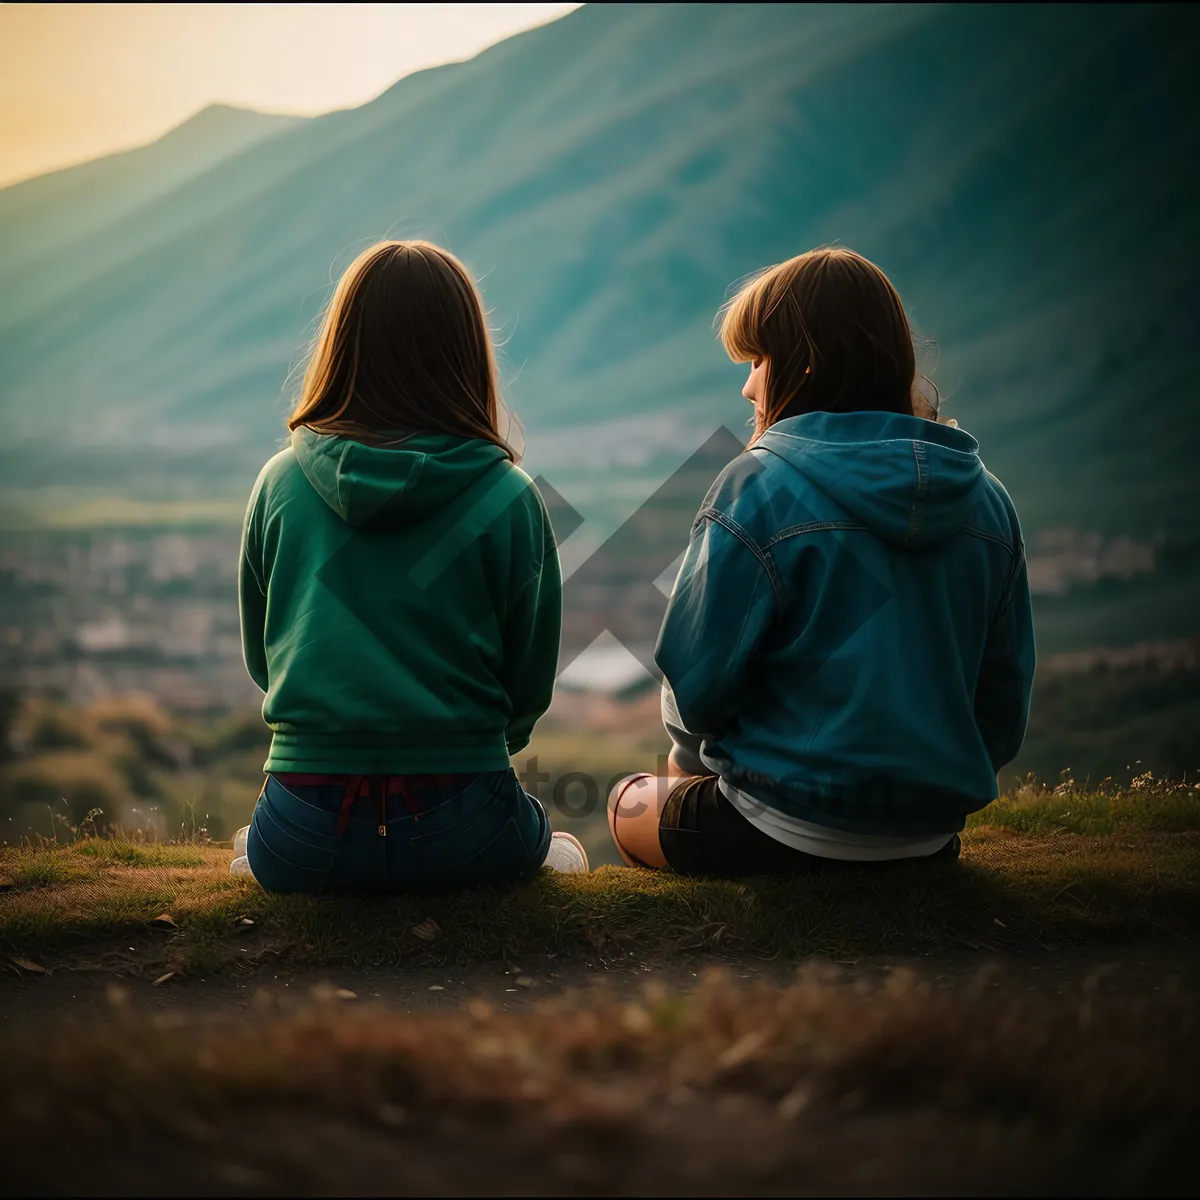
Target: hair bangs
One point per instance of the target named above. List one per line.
(742, 321)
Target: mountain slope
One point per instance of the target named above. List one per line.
(1026, 175)
(47, 215)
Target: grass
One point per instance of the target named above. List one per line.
(1147, 804)
(832, 1085)
(821, 1087)
(143, 854)
(1039, 869)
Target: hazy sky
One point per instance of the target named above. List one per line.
(81, 80)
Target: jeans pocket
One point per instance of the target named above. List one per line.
(505, 850)
(275, 874)
(286, 850)
(461, 820)
(485, 856)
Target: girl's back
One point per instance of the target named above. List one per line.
(400, 602)
(880, 561)
(400, 581)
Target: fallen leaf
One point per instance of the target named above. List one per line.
(247, 921)
(163, 978)
(346, 994)
(164, 921)
(794, 1103)
(393, 1115)
(242, 1178)
(29, 965)
(436, 987)
(524, 981)
(427, 930)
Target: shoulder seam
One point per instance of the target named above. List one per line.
(743, 535)
(815, 527)
(975, 531)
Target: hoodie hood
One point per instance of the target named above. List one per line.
(394, 486)
(910, 481)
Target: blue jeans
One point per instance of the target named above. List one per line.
(490, 832)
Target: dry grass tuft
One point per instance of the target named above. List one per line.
(812, 1088)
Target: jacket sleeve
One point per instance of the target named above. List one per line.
(1005, 684)
(531, 633)
(252, 591)
(721, 608)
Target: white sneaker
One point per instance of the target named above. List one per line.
(241, 866)
(239, 842)
(567, 855)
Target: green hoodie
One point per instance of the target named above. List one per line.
(400, 607)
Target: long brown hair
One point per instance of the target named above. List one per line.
(833, 331)
(403, 348)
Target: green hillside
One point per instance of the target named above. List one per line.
(1026, 174)
(46, 218)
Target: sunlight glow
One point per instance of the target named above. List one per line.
(82, 80)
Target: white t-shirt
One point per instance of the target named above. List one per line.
(824, 842)
(819, 840)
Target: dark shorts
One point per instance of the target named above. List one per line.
(395, 833)
(701, 833)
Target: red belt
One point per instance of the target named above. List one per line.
(379, 787)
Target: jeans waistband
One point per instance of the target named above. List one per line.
(410, 788)
(393, 785)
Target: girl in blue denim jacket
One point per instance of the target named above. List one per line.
(848, 651)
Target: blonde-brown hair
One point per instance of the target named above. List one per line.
(833, 331)
(403, 348)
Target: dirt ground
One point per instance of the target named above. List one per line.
(617, 1122)
(1118, 972)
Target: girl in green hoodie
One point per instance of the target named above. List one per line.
(400, 603)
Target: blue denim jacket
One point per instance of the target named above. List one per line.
(850, 635)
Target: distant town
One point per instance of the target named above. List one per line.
(85, 614)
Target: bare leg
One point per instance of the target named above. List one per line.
(636, 803)
(634, 807)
